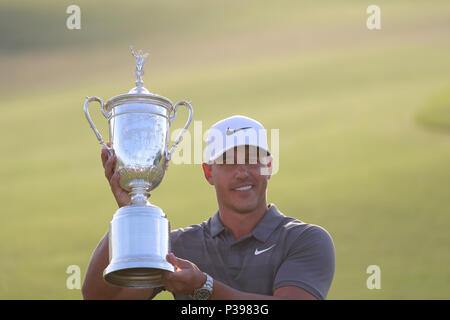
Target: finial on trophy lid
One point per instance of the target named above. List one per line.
(139, 71)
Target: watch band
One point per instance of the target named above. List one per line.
(204, 293)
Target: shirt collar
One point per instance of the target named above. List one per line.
(271, 220)
(216, 225)
(263, 230)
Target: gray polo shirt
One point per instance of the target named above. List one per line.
(280, 251)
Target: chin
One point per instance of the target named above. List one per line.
(244, 208)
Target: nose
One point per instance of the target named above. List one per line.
(241, 172)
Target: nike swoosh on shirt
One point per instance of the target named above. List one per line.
(233, 131)
(263, 250)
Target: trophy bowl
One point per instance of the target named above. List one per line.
(139, 124)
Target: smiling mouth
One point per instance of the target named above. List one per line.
(244, 188)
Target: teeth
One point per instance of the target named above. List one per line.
(244, 188)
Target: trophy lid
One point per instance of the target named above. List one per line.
(139, 71)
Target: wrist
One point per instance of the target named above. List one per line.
(199, 282)
(204, 292)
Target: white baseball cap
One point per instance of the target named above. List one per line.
(233, 132)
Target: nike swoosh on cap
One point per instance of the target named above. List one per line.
(229, 131)
(257, 252)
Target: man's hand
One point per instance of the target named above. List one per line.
(109, 164)
(186, 278)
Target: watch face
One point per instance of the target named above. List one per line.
(202, 294)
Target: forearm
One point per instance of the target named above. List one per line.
(188, 277)
(223, 292)
(94, 287)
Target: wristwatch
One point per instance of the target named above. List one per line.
(204, 293)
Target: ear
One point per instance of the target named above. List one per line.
(207, 172)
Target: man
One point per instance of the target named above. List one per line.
(248, 249)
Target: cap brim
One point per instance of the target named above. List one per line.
(232, 147)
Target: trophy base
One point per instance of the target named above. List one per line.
(135, 277)
(138, 245)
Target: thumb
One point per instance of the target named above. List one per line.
(178, 263)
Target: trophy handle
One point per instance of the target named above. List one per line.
(188, 122)
(88, 117)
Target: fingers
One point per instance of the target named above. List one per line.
(105, 154)
(176, 282)
(167, 276)
(178, 263)
(172, 259)
(185, 279)
(122, 196)
(115, 182)
(109, 165)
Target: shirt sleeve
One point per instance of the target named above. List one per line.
(310, 263)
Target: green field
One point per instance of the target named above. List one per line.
(363, 118)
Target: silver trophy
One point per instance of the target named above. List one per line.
(139, 123)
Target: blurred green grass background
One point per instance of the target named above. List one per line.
(354, 108)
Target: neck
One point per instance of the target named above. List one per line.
(241, 224)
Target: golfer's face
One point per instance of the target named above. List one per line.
(238, 179)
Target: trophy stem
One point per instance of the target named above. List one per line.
(139, 195)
